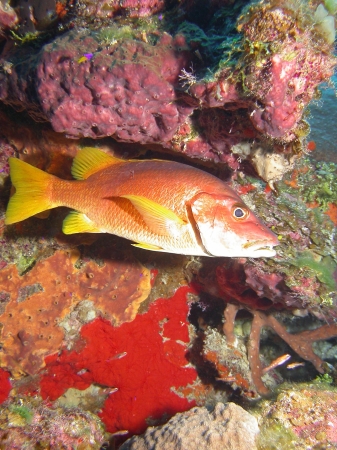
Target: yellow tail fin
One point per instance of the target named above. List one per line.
(31, 196)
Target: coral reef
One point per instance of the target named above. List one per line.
(301, 342)
(37, 302)
(253, 286)
(302, 215)
(204, 90)
(301, 279)
(286, 423)
(244, 349)
(8, 17)
(104, 9)
(227, 426)
(27, 423)
(217, 81)
(294, 68)
(143, 359)
(264, 76)
(123, 91)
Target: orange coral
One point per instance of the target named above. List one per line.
(60, 10)
(332, 212)
(225, 373)
(40, 299)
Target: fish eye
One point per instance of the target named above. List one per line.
(240, 212)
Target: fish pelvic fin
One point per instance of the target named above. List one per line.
(31, 191)
(90, 160)
(77, 222)
(159, 219)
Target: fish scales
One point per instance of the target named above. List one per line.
(99, 197)
(160, 205)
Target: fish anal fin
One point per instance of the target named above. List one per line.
(77, 222)
(154, 248)
(158, 218)
(90, 160)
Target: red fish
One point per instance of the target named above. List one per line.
(161, 205)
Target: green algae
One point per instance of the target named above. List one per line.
(111, 35)
(24, 412)
(275, 436)
(324, 188)
(25, 263)
(322, 268)
(28, 422)
(316, 182)
(138, 29)
(325, 379)
(285, 422)
(26, 38)
(23, 252)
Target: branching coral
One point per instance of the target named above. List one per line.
(301, 342)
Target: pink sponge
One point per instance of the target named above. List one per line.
(87, 90)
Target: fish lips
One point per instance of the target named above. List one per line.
(264, 247)
(265, 251)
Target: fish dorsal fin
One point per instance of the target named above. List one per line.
(77, 222)
(159, 219)
(90, 160)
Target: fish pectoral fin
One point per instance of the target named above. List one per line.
(90, 160)
(154, 248)
(77, 222)
(159, 219)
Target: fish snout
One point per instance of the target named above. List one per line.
(262, 247)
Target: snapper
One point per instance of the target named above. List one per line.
(160, 205)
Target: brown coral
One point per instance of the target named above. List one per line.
(301, 342)
(38, 300)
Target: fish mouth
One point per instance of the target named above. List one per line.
(266, 251)
(261, 248)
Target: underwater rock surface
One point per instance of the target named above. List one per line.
(286, 424)
(226, 427)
